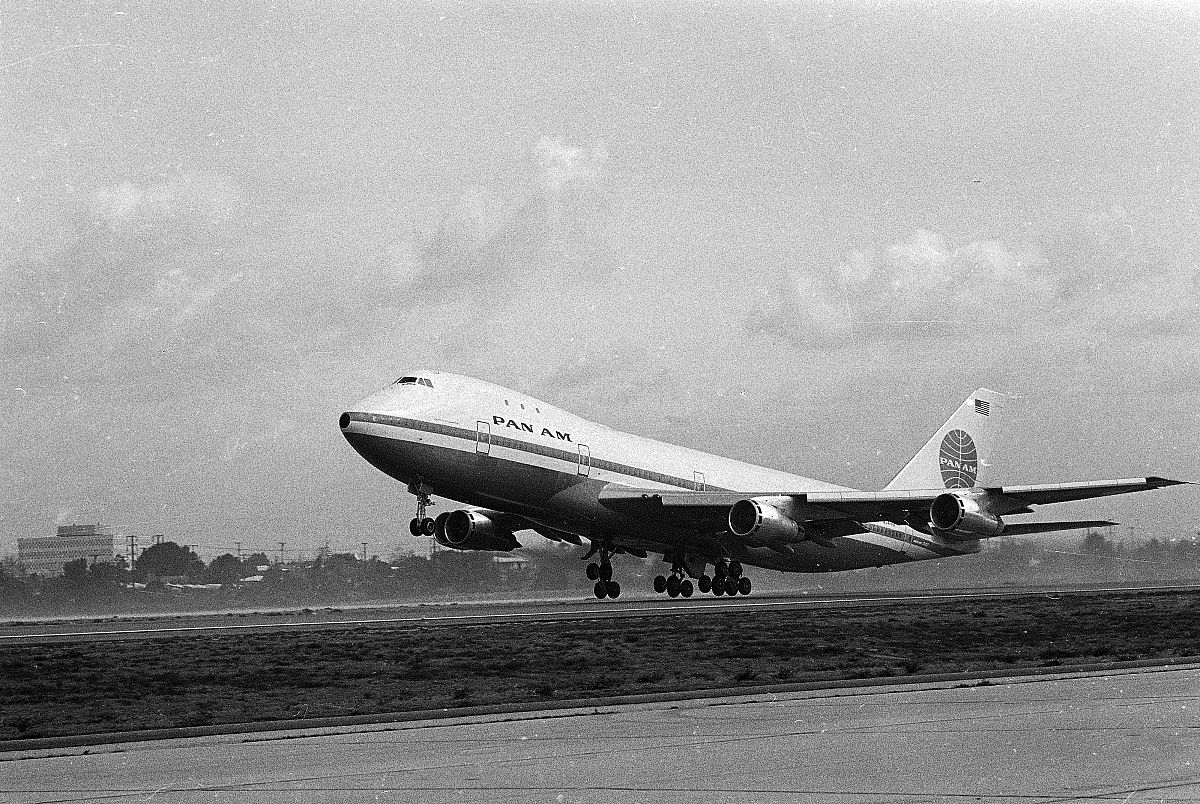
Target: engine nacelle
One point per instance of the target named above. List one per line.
(961, 515)
(760, 524)
(472, 530)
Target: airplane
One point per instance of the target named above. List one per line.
(518, 463)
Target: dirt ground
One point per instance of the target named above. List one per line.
(78, 688)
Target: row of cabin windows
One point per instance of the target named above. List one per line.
(539, 410)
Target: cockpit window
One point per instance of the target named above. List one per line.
(414, 381)
(426, 382)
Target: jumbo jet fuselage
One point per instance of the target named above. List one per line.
(491, 447)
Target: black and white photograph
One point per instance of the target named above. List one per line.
(587, 402)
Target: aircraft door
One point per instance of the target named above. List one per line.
(483, 437)
(584, 466)
(698, 481)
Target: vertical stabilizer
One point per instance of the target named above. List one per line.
(957, 455)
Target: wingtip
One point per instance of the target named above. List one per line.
(1159, 482)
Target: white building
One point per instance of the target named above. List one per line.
(46, 555)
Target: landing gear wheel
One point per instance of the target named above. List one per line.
(605, 571)
(600, 590)
(421, 525)
(718, 587)
(735, 570)
(593, 572)
(614, 589)
(731, 587)
(673, 586)
(705, 584)
(744, 585)
(660, 584)
(685, 588)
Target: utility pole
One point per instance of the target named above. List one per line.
(364, 544)
(132, 550)
(239, 552)
(281, 544)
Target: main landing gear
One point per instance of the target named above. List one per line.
(602, 573)
(676, 583)
(421, 525)
(727, 580)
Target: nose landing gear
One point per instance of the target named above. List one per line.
(421, 525)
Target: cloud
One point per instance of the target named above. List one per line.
(196, 201)
(920, 287)
(923, 288)
(561, 166)
(490, 233)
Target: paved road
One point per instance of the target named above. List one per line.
(478, 612)
(1097, 738)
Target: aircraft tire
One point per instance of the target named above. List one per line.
(731, 587)
(718, 587)
(735, 570)
(685, 588)
(744, 585)
(660, 584)
(705, 584)
(428, 527)
(614, 589)
(600, 590)
(414, 527)
(606, 571)
(593, 571)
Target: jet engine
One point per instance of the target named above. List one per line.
(760, 524)
(960, 515)
(472, 530)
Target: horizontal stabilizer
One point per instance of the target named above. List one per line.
(1023, 528)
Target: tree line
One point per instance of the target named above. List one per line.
(170, 575)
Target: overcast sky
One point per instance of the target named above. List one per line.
(797, 235)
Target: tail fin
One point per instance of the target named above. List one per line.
(957, 455)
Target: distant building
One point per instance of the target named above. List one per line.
(46, 555)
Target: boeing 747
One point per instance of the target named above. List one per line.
(517, 463)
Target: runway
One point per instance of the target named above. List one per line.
(1070, 738)
(484, 612)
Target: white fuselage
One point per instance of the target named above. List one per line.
(489, 446)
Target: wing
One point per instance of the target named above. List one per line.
(826, 512)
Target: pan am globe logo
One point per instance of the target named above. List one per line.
(958, 460)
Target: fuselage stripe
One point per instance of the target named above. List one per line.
(525, 446)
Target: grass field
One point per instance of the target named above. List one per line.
(85, 687)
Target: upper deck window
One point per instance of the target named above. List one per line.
(414, 381)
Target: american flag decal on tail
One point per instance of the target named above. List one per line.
(982, 407)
